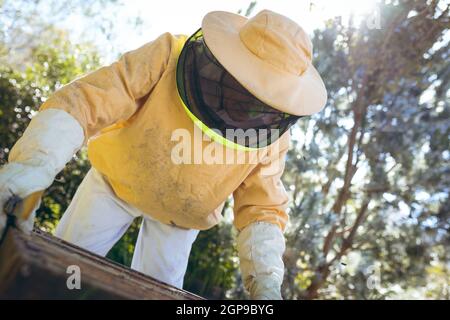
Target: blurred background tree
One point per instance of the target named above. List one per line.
(368, 176)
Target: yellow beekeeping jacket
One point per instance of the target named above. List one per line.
(129, 112)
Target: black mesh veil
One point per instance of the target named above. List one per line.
(220, 102)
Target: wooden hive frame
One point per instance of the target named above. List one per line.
(35, 266)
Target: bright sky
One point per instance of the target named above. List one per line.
(186, 16)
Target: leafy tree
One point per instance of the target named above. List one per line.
(26, 24)
(213, 264)
(370, 184)
(22, 93)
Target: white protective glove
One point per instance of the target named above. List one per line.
(48, 143)
(261, 246)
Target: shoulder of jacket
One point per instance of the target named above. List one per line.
(277, 150)
(172, 40)
(282, 144)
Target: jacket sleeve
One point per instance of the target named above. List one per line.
(262, 197)
(115, 92)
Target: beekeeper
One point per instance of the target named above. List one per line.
(234, 73)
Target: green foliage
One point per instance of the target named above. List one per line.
(213, 265)
(370, 181)
(21, 94)
(122, 252)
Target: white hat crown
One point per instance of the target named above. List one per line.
(277, 40)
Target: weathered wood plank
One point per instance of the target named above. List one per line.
(35, 267)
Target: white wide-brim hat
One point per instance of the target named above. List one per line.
(270, 55)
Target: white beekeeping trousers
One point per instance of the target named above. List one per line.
(96, 219)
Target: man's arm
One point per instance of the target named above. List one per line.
(260, 217)
(76, 112)
(114, 93)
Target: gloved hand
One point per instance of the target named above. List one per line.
(49, 142)
(261, 246)
(13, 181)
